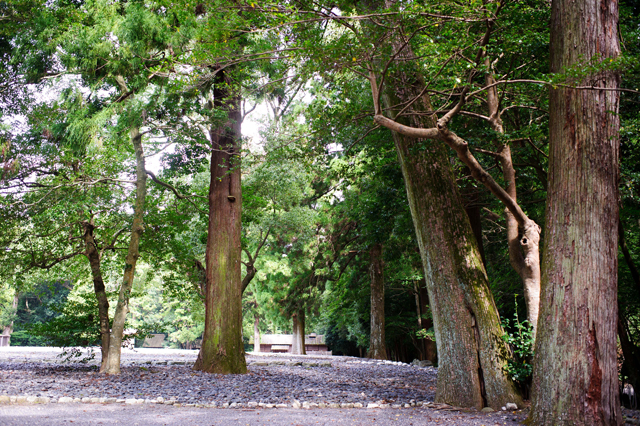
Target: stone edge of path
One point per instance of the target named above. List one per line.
(26, 399)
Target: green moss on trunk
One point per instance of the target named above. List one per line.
(222, 350)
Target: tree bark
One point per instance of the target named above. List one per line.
(298, 347)
(472, 355)
(222, 350)
(112, 365)
(575, 378)
(377, 346)
(91, 251)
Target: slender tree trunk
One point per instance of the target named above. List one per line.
(631, 353)
(112, 366)
(297, 346)
(575, 379)
(256, 334)
(377, 346)
(472, 355)
(524, 253)
(14, 306)
(422, 348)
(222, 350)
(93, 255)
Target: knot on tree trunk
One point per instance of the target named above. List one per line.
(531, 235)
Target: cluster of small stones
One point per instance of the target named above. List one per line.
(335, 382)
(24, 399)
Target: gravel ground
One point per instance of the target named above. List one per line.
(150, 375)
(157, 386)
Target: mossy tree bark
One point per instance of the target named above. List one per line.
(112, 365)
(298, 346)
(377, 346)
(575, 379)
(222, 350)
(471, 352)
(93, 254)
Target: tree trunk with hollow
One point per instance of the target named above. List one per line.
(222, 350)
(377, 346)
(112, 366)
(92, 253)
(575, 379)
(297, 347)
(524, 252)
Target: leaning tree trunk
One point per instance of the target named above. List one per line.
(91, 251)
(471, 353)
(297, 346)
(222, 350)
(377, 347)
(112, 366)
(575, 379)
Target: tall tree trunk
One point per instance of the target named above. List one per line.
(377, 347)
(256, 334)
(298, 347)
(222, 350)
(575, 378)
(472, 355)
(91, 251)
(112, 365)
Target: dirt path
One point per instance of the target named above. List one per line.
(120, 414)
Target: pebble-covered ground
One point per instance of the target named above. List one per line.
(167, 375)
(162, 376)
